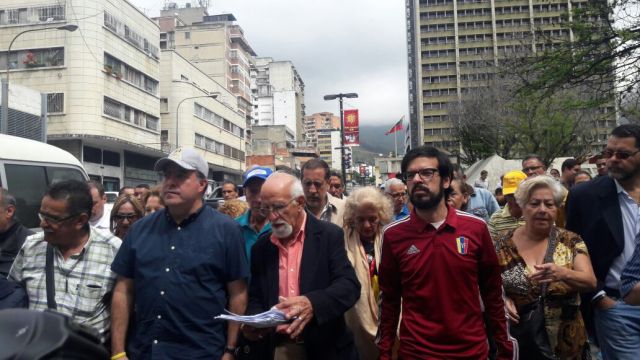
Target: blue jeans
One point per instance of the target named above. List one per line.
(618, 331)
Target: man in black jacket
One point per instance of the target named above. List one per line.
(12, 233)
(301, 268)
(606, 214)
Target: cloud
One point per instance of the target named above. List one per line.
(336, 46)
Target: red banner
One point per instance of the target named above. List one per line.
(351, 128)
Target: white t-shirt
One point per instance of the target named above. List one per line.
(102, 224)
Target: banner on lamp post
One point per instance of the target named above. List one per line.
(351, 128)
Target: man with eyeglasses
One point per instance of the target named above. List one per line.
(315, 182)
(302, 268)
(253, 222)
(80, 259)
(532, 165)
(12, 232)
(180, 267)
(440, 265)
(336, 185)
(605, 212)
(396, 190)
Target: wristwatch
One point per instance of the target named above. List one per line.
(230, 350)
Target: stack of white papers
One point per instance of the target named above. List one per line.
(266, 319)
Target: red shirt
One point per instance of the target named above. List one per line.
(440, 275)
(289, 263)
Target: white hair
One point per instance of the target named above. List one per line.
(526, 188)
(392, 181)
(296, 188)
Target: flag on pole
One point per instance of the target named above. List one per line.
(396, 127)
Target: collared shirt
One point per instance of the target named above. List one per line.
(289, 262)
(404, 212)
(328, 211)
(501, 221)
(436, 274)
(81, 281)
(631, 273)
(180, 274)
(102, 224)
(249, 234)
(631, 226)
(483, 184)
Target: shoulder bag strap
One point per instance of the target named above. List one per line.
(548, 256)
(51, 288)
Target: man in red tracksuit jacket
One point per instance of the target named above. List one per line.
(440, 264)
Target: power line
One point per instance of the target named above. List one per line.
(75, 16)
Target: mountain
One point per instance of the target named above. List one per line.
(373, 139)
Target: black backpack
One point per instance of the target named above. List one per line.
(12, 295)
(34, 335)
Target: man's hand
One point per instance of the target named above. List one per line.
(298, 308)
(633, 297)
(227, 356)
(605, 303)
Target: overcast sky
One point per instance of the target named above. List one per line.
(336, 46)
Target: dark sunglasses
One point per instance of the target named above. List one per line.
(121, 217)
(608, 154)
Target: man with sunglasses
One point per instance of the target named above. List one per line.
(80, 258)
(605, 212)
(315, 182)
(301, 267)
(440, 266)
(180, 266)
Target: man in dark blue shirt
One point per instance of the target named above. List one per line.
(180, 266)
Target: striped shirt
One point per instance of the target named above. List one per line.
(631, 273)
(502, 221)
(81, 281)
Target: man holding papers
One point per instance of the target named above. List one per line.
(302, 268)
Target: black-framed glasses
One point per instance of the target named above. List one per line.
(622, 155)
(52, 219)
(426, 174)
(278, 209)
(121, 217)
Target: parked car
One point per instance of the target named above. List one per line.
(29, 167)
(215, 198)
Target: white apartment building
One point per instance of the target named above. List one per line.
(314, 122)
(101, 80)
(214, 126)
(329, 147)
(278, 95)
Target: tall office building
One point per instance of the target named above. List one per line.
(101, 81)
(213, 43)
(278, 95)
(317, 121)
(454, 46)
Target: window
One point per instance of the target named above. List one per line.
(55, 103)
(126, 113)
(112, 108)
(125, 32)
(110, 158)
(92, 155)
(132, 76)
(187, 35)
(33, 58)
(152, 122)
(164, 105)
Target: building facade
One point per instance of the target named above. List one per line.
(216, 45)
(278, 95)
(101, 81)
(454, 46)
(317, 121)
(205, 114)
(328, 145)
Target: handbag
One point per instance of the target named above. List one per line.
(531, 333)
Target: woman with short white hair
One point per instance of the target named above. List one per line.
(367, 210)
(544, 270)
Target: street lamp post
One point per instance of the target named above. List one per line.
(4, 126)
(340, 97)
(211, 96)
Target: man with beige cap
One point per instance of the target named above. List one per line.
(509, 217)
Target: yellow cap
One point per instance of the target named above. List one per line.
(511, 180)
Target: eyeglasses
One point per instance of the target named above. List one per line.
(278, 209)
(426, 174)
(531, 169)
(398, 195)
(608, 154)
(308, 183)
(51, 219)
(122, 217)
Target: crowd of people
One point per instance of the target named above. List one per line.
(428, 266)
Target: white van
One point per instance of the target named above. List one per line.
(28, 168)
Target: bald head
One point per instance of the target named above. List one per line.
(282, 185)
